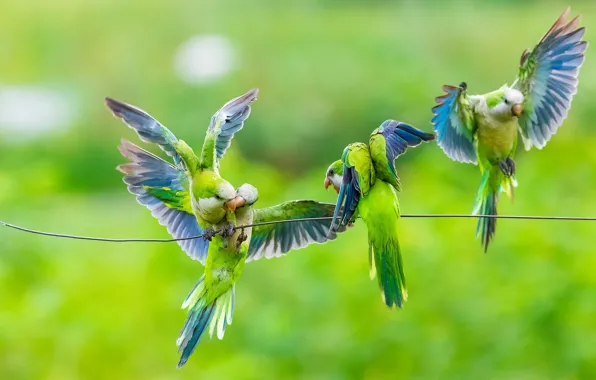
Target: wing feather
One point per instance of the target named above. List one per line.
(548, 78)
(455, 125)
(275, 240)
(388, 142)
(163, 189)
(228, 120)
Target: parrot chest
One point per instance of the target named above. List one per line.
(226, 256)
(496, 138)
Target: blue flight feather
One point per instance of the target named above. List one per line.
(148, 129)
(231, 119)
(552, 70)
(452, 135)
(398, 137)
(147, 170)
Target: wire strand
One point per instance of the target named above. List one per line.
(203, 236)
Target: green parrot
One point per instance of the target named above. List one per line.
(367, 185)
(482, 129)
(190, 198)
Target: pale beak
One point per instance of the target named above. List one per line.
(516, 110)
(235, 203)
(328, 183)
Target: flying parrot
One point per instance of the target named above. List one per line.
(367, 185)
(482, 129)
(190, 199)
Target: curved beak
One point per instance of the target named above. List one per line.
(235, 203)
(327, 183)
(517, 110)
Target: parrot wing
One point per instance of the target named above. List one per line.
(224, 124)
(148, 129)
(163, 189)
(358, 178)
(388, 142)
(548, 79)
(275, 240)
(455, 125)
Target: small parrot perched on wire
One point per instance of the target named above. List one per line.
(191, 199)
(482, 129)
(367, 185)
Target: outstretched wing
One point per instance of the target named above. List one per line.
(358, 178)
(275, 240)
(224, 124)
(455, 124)
(163, 189)
(148, 129)
(548, 79)
(388, 142)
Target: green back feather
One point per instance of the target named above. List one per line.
(357, 155)
(378, 152)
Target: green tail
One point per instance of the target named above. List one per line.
(379, 209)
(385, 262)
(214, 314)
(493, 182)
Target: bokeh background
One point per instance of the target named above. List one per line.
(329, 73)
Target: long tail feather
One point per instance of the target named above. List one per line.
(214, 315)
(386, 262)
(486, 204)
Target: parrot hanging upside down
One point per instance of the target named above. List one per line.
(367, 183)
(190, 198)
(482, 129)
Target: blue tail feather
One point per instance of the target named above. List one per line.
(213, 314)
(200, 320)
(486, 204)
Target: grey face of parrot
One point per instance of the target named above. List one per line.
(333, 178)
(246, 195)
(213, 208)
(511, 106)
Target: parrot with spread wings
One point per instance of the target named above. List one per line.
(367, 184)
(483, 129)
(190, 198)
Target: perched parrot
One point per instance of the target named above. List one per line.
(367, 183)
(190, 199)
(482, 129)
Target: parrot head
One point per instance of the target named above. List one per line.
(246, 195)
(213, 196)
(507, 104)
(334, 175)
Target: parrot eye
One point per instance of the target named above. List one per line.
(506, 101)
(217, 197)
(331, 172)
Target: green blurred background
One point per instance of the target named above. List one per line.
(329, 72)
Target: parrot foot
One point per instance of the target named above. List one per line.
(507, 167)
(209, 233)
(241, 239)
(227, 230)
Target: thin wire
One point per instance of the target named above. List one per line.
(203, 236)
